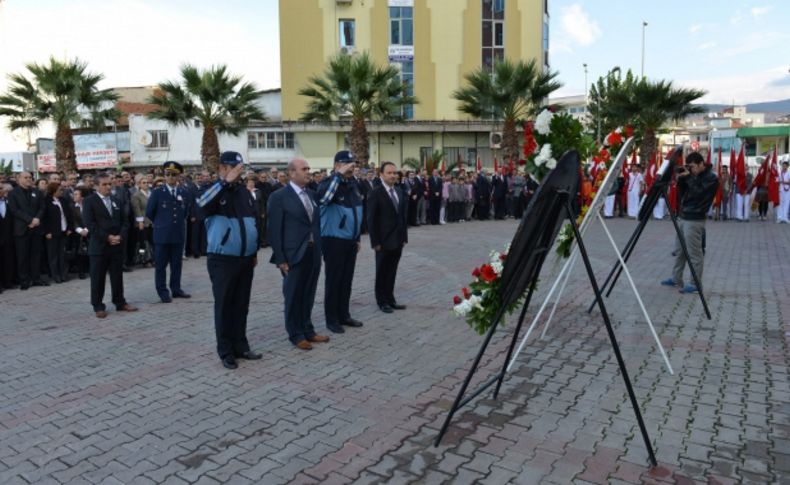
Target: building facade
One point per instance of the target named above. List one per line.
(433, 44)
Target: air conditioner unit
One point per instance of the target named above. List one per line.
(343, 2)
(495, 139)
(349, 50)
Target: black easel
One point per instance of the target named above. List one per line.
(460, 401)
(658, 190)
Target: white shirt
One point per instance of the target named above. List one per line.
(63, 224)
(2, 208)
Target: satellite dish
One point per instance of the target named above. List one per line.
(146, 138)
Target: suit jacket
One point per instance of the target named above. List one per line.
(387, 227)
(101, 224)
(289, 228)
(168, 214)
(139, 204)
(435, 185)
(500, 186)
(25, 205)
(51, 223)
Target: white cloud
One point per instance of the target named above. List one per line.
(751, 42)
(695, 28)
(578, 26)
(750, 87)
(706, 46)
(758, 12)
(737, 18)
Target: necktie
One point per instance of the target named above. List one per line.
(308, 206)
(107, 204)
(394, 198)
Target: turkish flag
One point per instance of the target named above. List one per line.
(740, 171)
(759, 180)
(496, 166)
(773, 181)
(444, 167)
(479, 164)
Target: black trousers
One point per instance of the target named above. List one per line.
(188, 247)
(199, 241)
(231, 284)
(7, 266)
(499, 207)
(56, 256)
(28, 257)
(340, 259)
(433, 209)
(99, 266)
(386, 270)
(483, 211)
(299, 287)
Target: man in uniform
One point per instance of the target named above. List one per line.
(635, 188)
(341, 222)
(229, 210)
(784, 194)
(168, 208)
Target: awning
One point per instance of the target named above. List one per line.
(764, 131)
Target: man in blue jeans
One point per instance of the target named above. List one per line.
(697, 185)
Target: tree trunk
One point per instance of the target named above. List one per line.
(65, 156)
(510, 145)
(209, 149)
(648, 147)
(358, 139)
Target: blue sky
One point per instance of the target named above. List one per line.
(737, 50)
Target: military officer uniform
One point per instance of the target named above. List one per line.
(168, 208)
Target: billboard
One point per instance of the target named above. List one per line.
(86, 159)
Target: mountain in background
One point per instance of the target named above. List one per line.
(779, 107)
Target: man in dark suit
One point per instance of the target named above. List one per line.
(124, 198)
(387, 208)
(6, 240)
(483, 196)
(294, 231)
(104, 219)
(79, 238)
(434, 197)
(499, 183)
(27, 207)
(168, 208)
(196, 215)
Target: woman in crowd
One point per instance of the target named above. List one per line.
(145, 232)
(57, 226)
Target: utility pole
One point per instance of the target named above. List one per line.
(644, 24)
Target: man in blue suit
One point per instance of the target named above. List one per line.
(168, 208)
(294, 231)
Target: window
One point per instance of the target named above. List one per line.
(493, 31)
(401, 26)
(347, 34)
(270, 140)
(158, 139)
(407, 77)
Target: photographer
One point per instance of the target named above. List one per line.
(697, 185)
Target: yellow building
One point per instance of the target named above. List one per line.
(434, 43)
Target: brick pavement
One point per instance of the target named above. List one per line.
(142, 398)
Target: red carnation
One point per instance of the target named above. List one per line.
(487, 273)
(476, 272)
(466, 292)
(457, 300)
(502, 256)
(522, 162)
(629, 131)
(614, 139)
(605, 155)
(530, 145)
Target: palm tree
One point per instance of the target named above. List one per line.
(218, 100)
(648, 105)
(513, 92)
(62, 92)
(602, 120)
(356, 87)
(411, 163)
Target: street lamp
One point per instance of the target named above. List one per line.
(586, 88)
(644, 24)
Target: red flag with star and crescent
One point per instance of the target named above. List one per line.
(773, 181)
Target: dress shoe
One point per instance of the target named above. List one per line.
(181, 294)
(127, 308)
(304, 345)
(319, 339)
(40, 283)
(101, 314)
(397, 306)
(82, 276)
(386, 308)
(335, 328)
(24, 286)
(166, 299)
(352, 323)
(249, 355)
(229, 362)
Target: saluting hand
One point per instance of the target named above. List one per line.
(234, 173)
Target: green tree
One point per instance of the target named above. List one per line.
(411, 163)
(512, 93)
(644, 104)
(356, 87)
(220, 101)
(63, 92)
(602, 120)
